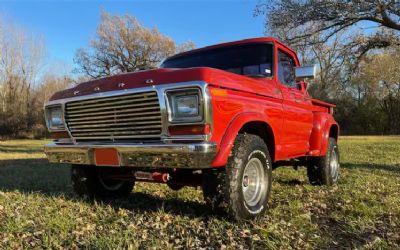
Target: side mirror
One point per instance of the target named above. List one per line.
(306, 72)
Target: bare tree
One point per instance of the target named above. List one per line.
(20, 62)
(122, 44)
(332, 77)
(379, 73)
(328, 18)
(341, 36)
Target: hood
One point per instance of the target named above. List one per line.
(147, 78)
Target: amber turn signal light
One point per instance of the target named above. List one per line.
(59, 135)
(202, 129)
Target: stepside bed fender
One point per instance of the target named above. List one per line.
(324, 126)
(232, 131)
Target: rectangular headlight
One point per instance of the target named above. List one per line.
(54, 118)
(185, 106)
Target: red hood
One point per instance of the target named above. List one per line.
(163, 76)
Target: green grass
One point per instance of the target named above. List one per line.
(39, 210)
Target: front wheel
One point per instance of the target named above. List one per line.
(244, 188)
(95, 182)
(325, 170)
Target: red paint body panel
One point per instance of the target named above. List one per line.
(235, 110)
(322, 104)
(133, 80)
(164, 76)
(300, 124)
(320, 132)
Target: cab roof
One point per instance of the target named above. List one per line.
(227, 44)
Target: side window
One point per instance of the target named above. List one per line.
(286, 72)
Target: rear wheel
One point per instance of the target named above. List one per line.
(95, 182)
(325, 170)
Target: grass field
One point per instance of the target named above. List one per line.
(38, 208)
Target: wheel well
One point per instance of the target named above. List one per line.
(264, 131)
(334, 132)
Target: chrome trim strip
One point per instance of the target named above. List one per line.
(108, 110)
(134, 119)
(107, 124)
(208, 111)
(120, 100)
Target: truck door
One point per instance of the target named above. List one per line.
(298, 116)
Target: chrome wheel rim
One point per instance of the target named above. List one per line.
(253, 182)
(334, 164)
(108, 184)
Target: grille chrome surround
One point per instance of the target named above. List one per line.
(160, 89)
(126, 116)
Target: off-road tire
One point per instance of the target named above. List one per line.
(87, 182)
(320, 170)
(225, 189)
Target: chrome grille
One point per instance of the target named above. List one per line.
(131, 116)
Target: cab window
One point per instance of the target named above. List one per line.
(286, 69)
(254, 59)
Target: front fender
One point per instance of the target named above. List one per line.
(232, 131)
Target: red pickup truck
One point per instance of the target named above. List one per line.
(220, 117)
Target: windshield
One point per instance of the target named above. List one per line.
(249, 59)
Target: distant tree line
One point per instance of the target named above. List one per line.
(358, 69)
(24, 84)
(121, 44)
(356, 45)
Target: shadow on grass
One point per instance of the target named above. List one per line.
(34, 175)
(341, 233)
(142, 202)
(372, 167)
(291, 182)
(37, 175)
(53, 180)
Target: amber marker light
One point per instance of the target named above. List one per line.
(218, 92)
(59, 135)
(202, 129)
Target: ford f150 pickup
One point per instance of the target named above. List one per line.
(220, 117)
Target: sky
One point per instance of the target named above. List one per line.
(69, 25)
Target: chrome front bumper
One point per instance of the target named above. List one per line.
(195, 156)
